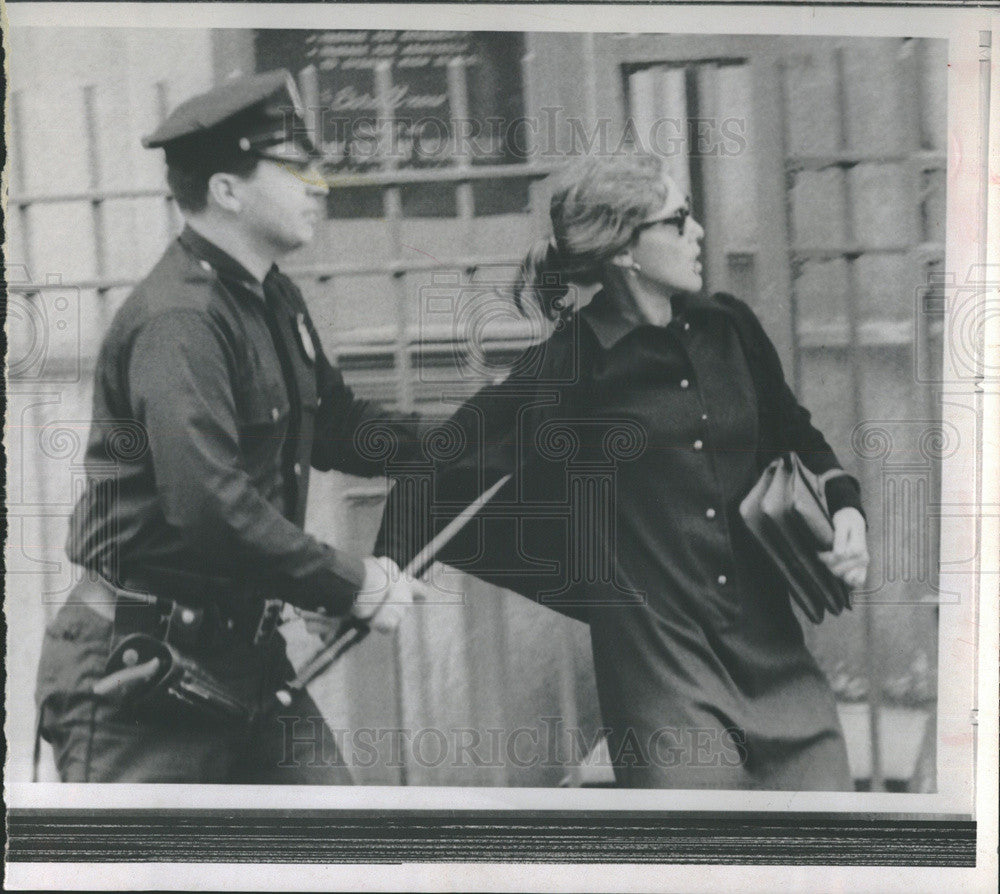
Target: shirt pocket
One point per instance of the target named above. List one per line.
(263, 413)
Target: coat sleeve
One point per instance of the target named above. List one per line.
(180, 387)
(354, 435)
(509, 544)
(792, 423)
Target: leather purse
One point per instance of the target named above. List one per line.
(786, 512)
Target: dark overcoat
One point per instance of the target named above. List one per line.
(630, 448)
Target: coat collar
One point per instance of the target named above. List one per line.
(609, 327)
(212, 260)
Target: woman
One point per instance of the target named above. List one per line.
(703, 676)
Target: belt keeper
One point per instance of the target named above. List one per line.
(268, 620)
(184, 625)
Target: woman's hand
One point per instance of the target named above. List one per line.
(849, 557)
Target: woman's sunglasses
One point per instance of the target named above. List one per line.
(678, 219)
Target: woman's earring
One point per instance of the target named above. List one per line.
(627, 262)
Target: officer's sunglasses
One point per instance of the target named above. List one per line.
(308, 169)
(678, 219)
(298, 163)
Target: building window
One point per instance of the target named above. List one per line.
(416, 105)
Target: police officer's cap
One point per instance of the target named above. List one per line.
(259, 115)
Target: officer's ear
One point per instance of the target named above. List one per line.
(224, 191)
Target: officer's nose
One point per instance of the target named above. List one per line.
(316, 182)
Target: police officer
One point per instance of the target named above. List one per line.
(212, 400)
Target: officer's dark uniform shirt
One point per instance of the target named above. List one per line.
(703, 676)
(212, 400)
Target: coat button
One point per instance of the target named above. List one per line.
(130, 658)
(685, 383)
(187, 616)
(297, 468)
(710, 512)
(230, 623)
(722, 580)
(275, 413)
(687, 327)
(704, 417)
(698, 444)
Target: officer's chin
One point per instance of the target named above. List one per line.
(306, 238)
(299, 241)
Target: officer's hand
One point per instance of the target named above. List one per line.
(385, 594)
(849, 557)
(319, 623)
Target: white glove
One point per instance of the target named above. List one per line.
(386, 593)
(319, 623)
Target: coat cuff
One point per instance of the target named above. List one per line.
(843, 491)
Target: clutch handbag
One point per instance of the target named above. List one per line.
(787, 513)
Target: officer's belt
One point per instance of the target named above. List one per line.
(191, 588)
(135, 610)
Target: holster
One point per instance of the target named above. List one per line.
(180, 688)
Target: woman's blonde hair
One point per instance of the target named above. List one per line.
(597, 203)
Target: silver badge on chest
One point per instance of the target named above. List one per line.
(305, 338)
